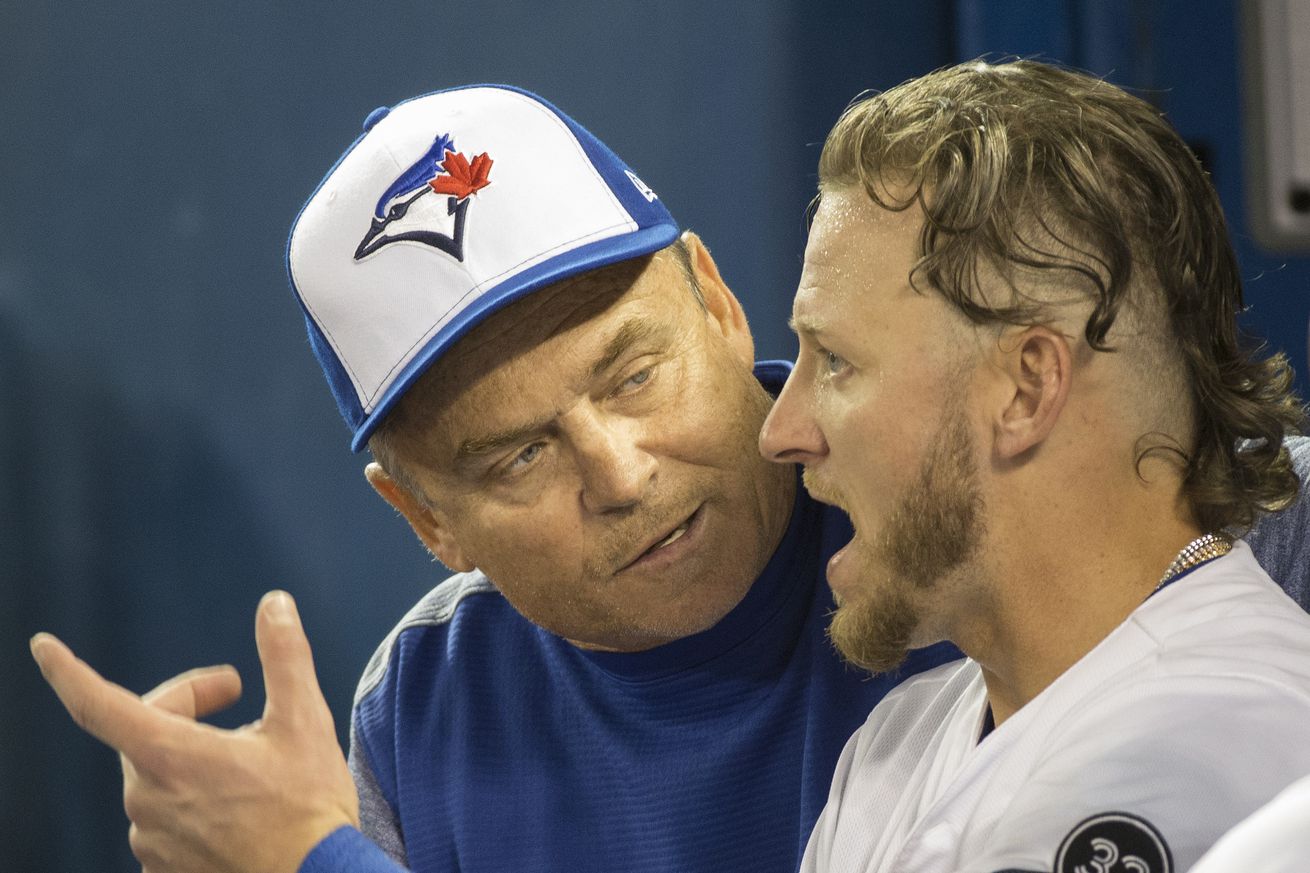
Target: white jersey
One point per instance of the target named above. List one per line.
(1183, 721)
(1274, 840)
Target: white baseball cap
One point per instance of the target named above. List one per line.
(449, 207)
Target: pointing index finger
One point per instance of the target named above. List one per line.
(109, 712)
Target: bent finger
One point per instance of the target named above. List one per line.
(197, 693)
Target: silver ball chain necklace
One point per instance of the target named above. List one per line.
(1198, 551)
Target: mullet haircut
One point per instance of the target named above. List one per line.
(1028, 165)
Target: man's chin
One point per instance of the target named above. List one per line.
(874, 634)
(876, 659)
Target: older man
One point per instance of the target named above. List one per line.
(559, 392)
(1020, 374)
(630, 671)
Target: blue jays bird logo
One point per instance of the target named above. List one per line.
(405, 212)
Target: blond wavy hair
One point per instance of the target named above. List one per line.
(1030, 166)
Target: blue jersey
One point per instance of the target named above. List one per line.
(483, 743)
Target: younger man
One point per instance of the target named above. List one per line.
(1020, 375)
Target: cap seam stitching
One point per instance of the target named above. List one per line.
(322, 326)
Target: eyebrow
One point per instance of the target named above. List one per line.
(631, 333)
(485, 444)
(806, 325)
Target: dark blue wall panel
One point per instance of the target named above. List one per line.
(167, 449)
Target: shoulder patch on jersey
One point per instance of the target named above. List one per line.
(1114, 842)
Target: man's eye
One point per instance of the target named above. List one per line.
(635, 381)
(524, 458)
(834, 362)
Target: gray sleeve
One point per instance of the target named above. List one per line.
(377, 820)
(1281, 541)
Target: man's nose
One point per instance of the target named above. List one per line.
(791, 434)
(616, 469)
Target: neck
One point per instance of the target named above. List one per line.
(1057, 595)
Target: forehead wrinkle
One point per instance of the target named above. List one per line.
(545, 314)
(634, 331)
(527, 324)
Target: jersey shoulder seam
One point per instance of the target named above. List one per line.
(437, 607)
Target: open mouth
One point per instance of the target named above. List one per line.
(677, 534)
(672, 537)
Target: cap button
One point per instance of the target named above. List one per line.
(375, 116)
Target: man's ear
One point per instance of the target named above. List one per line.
(429, 526)
(721, 304)
(1037, 367)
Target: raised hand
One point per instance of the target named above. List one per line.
(200, 798)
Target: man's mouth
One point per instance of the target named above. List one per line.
(664, 542)
(676, 534)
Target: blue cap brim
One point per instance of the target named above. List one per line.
(572, 263)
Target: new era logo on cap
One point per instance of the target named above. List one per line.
(449, 207)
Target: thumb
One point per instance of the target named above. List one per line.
(292, 695)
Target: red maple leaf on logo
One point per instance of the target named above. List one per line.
(464, 178)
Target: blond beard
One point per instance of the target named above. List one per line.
(935, 531)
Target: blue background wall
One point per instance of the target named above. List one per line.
(167, 449)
